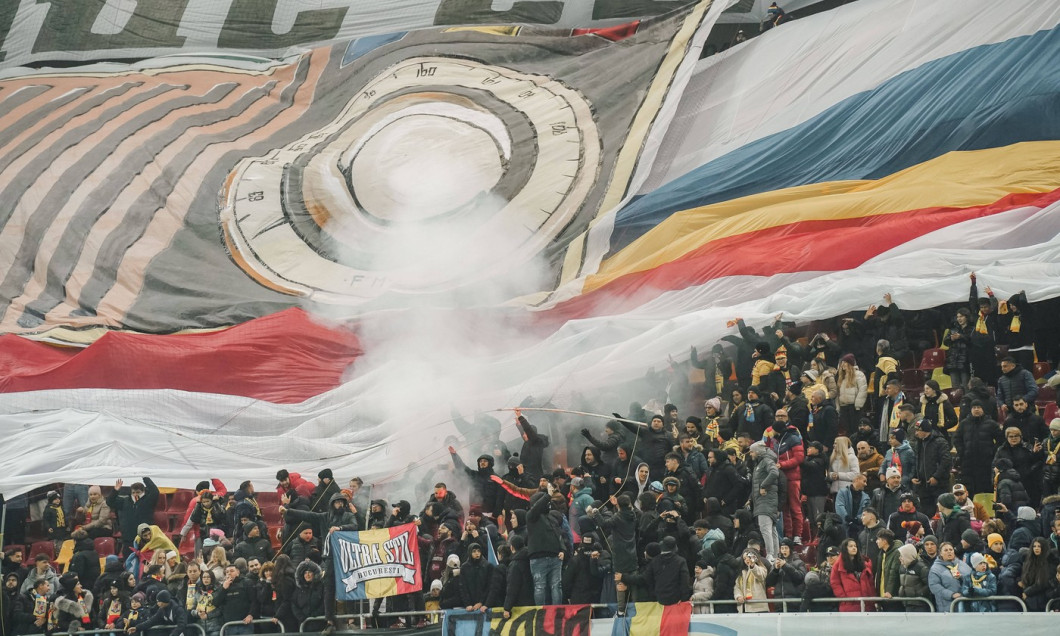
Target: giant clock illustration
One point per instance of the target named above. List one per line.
(437, 171)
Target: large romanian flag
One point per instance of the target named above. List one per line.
(311, 257)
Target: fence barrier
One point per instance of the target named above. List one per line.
(970, 599)
(197, 626)
(256, 621)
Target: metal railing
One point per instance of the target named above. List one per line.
(1049, 605)
(798, 601)
(256, 621)
(972, 599)
(197, 626)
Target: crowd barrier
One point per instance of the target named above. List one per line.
(968, 599)
(156, 628)
(256, 621)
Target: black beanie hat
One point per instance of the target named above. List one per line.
(325, 474)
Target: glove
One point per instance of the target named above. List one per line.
(585, 433)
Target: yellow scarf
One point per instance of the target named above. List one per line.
(980, 324)
(60, 518)
(1014, 324)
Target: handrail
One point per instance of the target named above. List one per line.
(784, 601)
(969, 599)
(1049, 605)
(256, 621)
(122, 631)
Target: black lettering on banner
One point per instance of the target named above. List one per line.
(489, 81)
(481, 12)
(559, 129)
(426, 71)
(256, 196)
(368, 94)
(249, 26)
(68, 26)
(526, 94)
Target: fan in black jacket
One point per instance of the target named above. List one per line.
(308, 599)
(476, 576)
(666, 575)
(519, 590)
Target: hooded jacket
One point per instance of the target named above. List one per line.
(939, 411)
(484, 491)
(476, 576)
(608, 446)
(534, 446)
(583, 577)
(652, 445)
(308, 599)
(622, 526)
(765, 478)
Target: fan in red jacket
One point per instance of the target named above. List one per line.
(287, 481)
(852, 577)
(787, 444)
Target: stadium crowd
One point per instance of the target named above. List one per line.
(817, 467)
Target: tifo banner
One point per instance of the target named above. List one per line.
(40, 31)
(352, 175)
(653, 619)
(568, 620)
(376, 563)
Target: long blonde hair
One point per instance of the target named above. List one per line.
(839, 451)
(846, 373)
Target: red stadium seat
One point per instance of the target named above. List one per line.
(913, 379)
(274, 538)
(1050, 412)
(907, 361)
(42, 547)
(271, 515)
(178, 501)
(161, 519)
(1040, 369)
(1000, 351)
(104, 546)
(267, 498)
(21, 548)
(932, 359)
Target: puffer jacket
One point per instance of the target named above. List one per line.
(854, 395)
(787, 581)
(765, 477)
(977, 440)
(913, 581)
(308, 598)
(1010, 490)
(943, 584)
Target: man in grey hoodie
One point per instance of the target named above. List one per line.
(764, 497)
